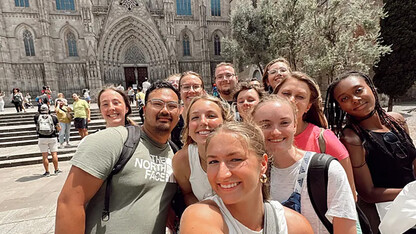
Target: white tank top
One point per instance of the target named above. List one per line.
(198, 179)
(235, 227)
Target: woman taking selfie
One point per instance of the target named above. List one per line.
(236, 169)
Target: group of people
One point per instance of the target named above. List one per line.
(244, 158)
(55, 129)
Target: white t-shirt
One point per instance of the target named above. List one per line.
(340, 202)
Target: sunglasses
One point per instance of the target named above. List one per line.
(391, 139)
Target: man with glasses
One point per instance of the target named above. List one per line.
(226, 81)
(141, 192)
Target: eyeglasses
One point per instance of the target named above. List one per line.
(160, 104)
(225, 76)
(187, 88)
(275, 71)
(393, 140)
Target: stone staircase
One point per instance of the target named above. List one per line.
(18, 138)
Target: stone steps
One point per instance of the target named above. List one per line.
(18, 138)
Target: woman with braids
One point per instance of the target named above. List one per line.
(274, 72)
(311, 130)
(381, 150)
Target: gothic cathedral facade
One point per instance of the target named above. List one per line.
(70, 45)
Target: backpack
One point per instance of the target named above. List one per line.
(317, 189)
(133, 140)
(45, 125)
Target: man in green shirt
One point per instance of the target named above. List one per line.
(144, 188)
(82, 115)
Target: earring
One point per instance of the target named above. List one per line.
(263, 178)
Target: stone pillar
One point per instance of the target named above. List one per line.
(93, 70)
(169, 12)
(5, 61)
(203, 30)
(51, 77)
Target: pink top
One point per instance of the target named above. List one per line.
(308, 140)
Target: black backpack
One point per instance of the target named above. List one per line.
(133, 140)
(317, 189)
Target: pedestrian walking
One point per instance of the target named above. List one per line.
(17, 100)
(46, 127)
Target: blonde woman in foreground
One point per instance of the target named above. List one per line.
(236, 170)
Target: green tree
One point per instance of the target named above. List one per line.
(396, 72)
(249, 43)
(321, 38)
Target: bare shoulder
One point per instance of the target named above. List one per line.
(397, 116)
(350, 137)
(203, 217)
(296, 223)
(180, 160)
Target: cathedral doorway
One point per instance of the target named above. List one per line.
(135, 75)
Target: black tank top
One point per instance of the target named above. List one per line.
(393, 170)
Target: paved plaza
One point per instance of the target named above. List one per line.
(28, 200)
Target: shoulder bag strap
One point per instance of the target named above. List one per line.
(129, 148)
(321, 141)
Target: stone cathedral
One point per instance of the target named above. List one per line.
(70, 45)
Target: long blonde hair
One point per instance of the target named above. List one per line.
(225, 113)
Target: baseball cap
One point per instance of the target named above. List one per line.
(44, 109)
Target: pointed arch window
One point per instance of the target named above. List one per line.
(71, 41)
(186, 46)
(21, 3)
(183, 7)
(28, 42)
(217, 45)
(216, 7)
(65, 5)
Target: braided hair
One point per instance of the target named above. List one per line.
(337, 117)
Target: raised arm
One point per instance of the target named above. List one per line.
(362, 176)
(182, 172)
(77, 191)
(202, 218)
(296, 223)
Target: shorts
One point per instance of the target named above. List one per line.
(48, 143)
(80, 123)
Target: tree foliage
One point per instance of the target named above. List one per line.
(396, 72)
(321, 38)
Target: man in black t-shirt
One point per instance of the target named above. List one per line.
(47, 126)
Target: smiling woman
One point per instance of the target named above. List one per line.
(204, 115)
(114, 107)
(236, 170)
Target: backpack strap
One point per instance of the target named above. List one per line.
(321, 141)
(318, 186)
(129, 148)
